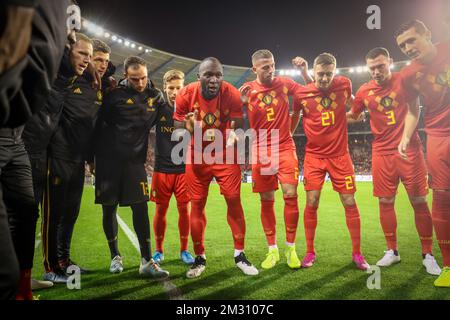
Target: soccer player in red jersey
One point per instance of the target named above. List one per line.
(324, 105)
(429, 76)
(387, 100)
(168, 177)
(209, 108)
(274, 160)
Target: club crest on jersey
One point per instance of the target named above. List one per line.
(209, 119)
(443, 79)
(387, 102)
(267, 99)
(326, 102)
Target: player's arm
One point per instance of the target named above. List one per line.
(301, 64)
(295, 120)
(411, 121)
(355, 107)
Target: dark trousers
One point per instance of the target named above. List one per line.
(18, 204)
(62, 200)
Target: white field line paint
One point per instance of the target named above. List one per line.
(38, 241)
(172, 290)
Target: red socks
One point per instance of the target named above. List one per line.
(389, 224)
(310, 222)
(291, 218)
(268, 221)
(441, 222)
(160, 224)
(354, 227)
(236, 220)
(198, 225)
(183, 225)
(424, 226)
(25, 286)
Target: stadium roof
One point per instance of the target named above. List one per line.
(159, 62)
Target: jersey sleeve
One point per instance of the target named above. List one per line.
(182, 107)
(358, 105)
(235, 103)
(408, 89)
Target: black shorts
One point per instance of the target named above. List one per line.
(120, 182)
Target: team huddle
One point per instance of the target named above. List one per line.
(108, 127)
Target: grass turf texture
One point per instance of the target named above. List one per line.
(332, 277)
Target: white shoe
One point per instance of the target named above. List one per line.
(431, 265)
(116, 265)
(151, 268)
(39, 284)
(197, 268)
(389, 259)
(245, 265)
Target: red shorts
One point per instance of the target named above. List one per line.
(388, 170)
(340, 170)
(199, 176)
(166, 184)
(438, 161)
(266, 176)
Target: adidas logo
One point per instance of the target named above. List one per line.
(163, 119)
(130, 101)
(77, 91)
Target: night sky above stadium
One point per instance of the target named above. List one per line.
(233, 30)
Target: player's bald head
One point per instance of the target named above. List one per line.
(210, 64)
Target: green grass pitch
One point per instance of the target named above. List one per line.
(332, 277)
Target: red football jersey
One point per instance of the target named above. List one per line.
(213, 114)
(432, 82)
(268, 108)
(324, 117)
(388, 107)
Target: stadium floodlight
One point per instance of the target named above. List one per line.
(359, 69)
(338, 71)
(98, 31)
(127, 43)
(140, 48)
(86, 24)
(282, 72)
(120, 41)
(114, 38)
(408, 63)
(107, 35)
(351, 70)
(392, 67)
(133, 45)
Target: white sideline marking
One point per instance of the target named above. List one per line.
(172, 290)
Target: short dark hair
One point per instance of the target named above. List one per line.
(418, 25)
(100, 46)
(133, 62)
(261, 54)
(325, 59)
(376, 52)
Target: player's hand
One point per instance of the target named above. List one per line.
(112, 82)
(232, 139)
(15, 40)
(190, 121)
(300, 64)
(97, 82)
(402, 147)
(245, 94)
(91, 168)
